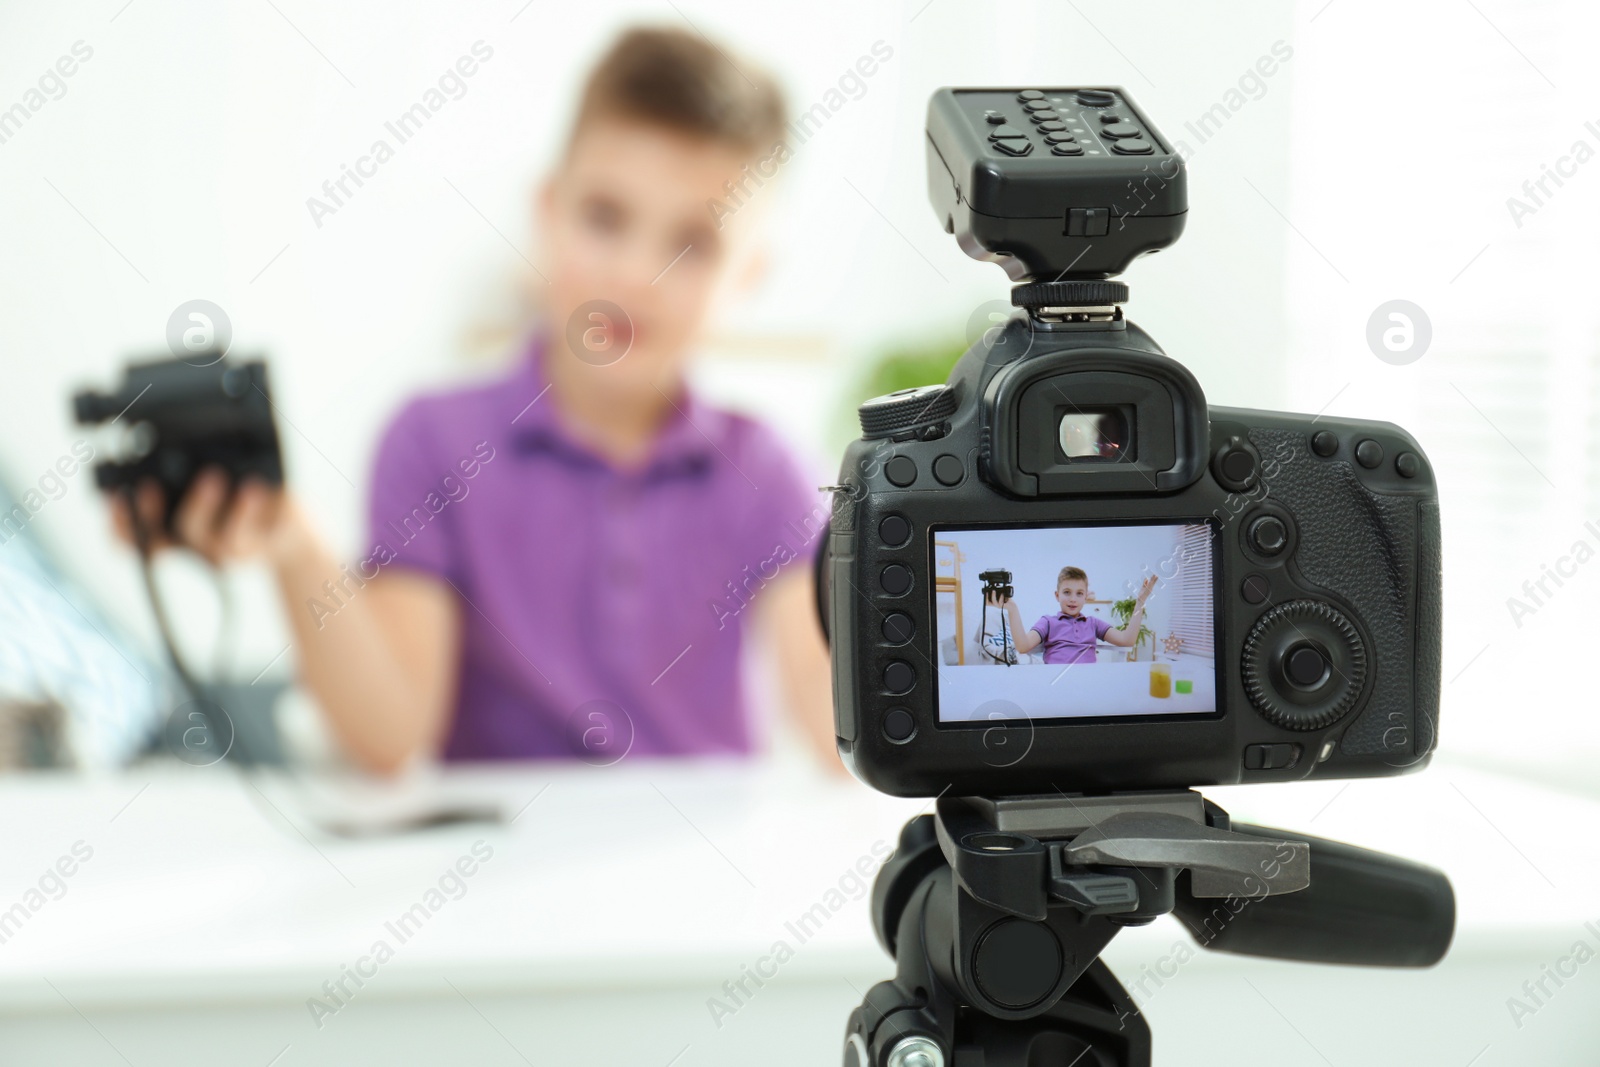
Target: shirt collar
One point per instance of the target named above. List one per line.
(683, 448)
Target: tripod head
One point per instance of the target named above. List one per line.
(997, 909)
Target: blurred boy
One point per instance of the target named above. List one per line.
(564, 562)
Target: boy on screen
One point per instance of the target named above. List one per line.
(1069, 636)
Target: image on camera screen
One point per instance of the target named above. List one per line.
(1075, 622)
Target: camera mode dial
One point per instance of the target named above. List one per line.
(920, 412)
(1304, 665)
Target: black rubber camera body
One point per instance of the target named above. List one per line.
(183, 416)
(1303, 619)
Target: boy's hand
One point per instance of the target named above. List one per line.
(1145, 589)
(259, 521)
(993, 598)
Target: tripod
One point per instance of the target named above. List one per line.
(996, 912)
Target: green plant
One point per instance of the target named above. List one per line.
(1123, 611)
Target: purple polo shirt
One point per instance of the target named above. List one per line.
(1070, 638)
(603, 609)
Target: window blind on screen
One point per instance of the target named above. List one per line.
(1193, 612)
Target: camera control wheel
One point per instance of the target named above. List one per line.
(1304, 665)
(918, 412)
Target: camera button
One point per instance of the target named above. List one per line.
(1305, 667)
(1038, 105)
(1088, 221)
(1067, 149)
(1006, 133)
(1268, 535)
(994, 118)
(949, 470)
(1255, 589)
(1096, 98)
(894, 530)
(898, 628)
(1120, 129)
(1274, 757)
(1369, 453)
(1132, 147)
(899, 725)
(895, 579)
(1234, 464)
(1407, 465)
(1052, 126)
(899, 676)
(1324, 443)
(901, 470)
(1014, 148)
(1029, 94)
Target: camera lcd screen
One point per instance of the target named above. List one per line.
(1075, 622)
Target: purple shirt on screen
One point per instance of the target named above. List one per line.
(603, 610)
(1070, 638)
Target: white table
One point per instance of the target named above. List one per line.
(621, 899)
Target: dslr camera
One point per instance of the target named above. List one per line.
(997, 582)
(1293, 630)
(181, 416)
(1189, 595)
